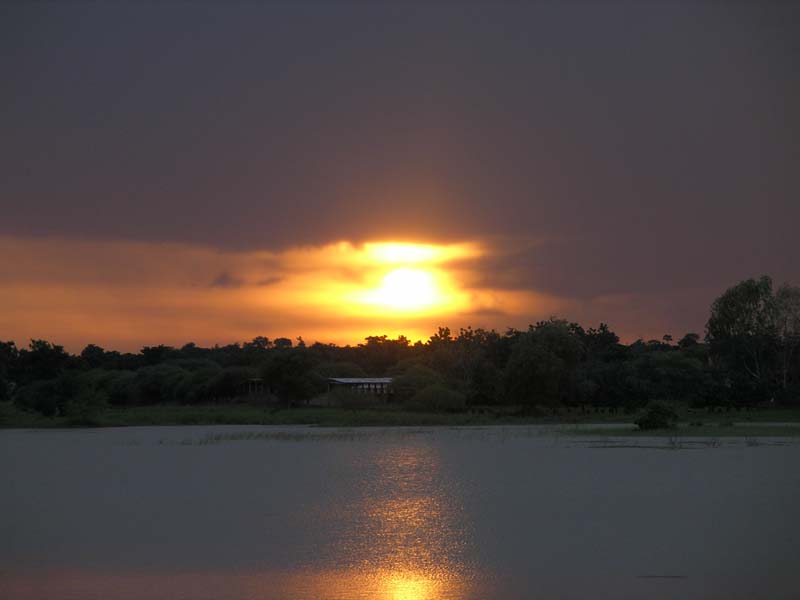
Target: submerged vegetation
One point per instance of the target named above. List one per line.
(657, 415)
(554, 370)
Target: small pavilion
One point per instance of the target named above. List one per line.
(365, 385)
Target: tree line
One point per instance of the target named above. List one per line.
(748, 356)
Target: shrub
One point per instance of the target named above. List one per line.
(217, 385)
(351, 399)
(85, 408)
(40, 396)
(438, 397)
(7, 412)
(122, 389)
(657, 415)
(412, 380)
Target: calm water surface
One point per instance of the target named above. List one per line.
(262, 513)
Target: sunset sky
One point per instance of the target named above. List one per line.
(212, 172)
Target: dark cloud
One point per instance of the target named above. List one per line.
(480, 313)
(636, 261)
(226, 280)
(267, 281)
(653, 146)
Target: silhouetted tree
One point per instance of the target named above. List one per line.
(42, 360)
(94, 356)
(288, 374)
(689, 340)
(742, 333)
(9, 365)
(282, 343)
(543, 365)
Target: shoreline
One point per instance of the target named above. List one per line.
(761, 423)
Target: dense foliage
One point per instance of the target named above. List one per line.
(749, 356)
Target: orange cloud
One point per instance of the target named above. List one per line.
(128, 294)
(124, 295)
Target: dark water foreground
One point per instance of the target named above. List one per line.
(397, 514)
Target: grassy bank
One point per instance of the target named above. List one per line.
(699, 423)
(241, 414)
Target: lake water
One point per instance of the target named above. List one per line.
(262, 513)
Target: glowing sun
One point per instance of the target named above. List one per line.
(402, 279)
(407, 288)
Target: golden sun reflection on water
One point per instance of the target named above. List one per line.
(357, 585)
(405, 538)
(410, 588)
(412, 537)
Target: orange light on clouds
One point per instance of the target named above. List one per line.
(394, 281)
(124, 295)
(408, 253)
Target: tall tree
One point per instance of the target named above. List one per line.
(787, 329)
(42, 360)
(542, 367)
(9, 357)
(741, 330)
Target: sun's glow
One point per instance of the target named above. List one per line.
(402, 279)
(393, 253)
(405, 253)
(406, 288)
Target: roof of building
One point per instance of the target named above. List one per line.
(356, 380)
